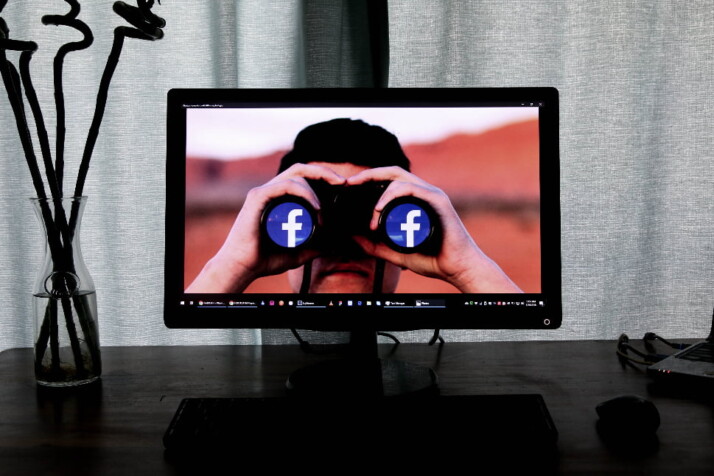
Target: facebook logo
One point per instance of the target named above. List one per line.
(289, 224)
(408, 225)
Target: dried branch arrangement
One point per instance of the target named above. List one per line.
(65, 305)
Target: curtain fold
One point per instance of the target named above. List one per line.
(637, 172)
(635, 82)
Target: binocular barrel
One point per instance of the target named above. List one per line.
(407, 224)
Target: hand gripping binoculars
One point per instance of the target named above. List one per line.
(407, 224)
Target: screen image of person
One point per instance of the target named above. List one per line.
(339, 185)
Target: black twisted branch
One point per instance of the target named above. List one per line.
(27, 49)
(42, 135)
(70, 20)
(147, 26)
(11, 78)
(56, 226)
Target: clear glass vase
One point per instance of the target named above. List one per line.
(64, 300)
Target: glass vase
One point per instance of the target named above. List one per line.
(64, 299)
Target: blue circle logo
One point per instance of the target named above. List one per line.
(289, 224)
(408, 225)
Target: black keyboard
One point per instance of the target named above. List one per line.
(701, 352)
(213, 423)
(476, 423)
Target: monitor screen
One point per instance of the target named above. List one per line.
(384, 209)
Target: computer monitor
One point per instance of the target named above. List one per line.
(363, 210)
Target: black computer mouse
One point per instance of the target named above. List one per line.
(627, 416)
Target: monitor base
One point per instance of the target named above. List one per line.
(351, 378)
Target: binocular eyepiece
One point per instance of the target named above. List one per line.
(407, 224)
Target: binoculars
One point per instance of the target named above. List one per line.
(407, 224)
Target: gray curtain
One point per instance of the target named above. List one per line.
(637, 102)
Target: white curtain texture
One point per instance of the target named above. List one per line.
(637, 160)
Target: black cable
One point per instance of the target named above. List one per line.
(651, 336)
(376, 289)
(435, 337)
(304, 345)
(304, 288)
(623, 347)
(389, 336)
(308, 348)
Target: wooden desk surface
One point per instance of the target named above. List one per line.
(116, 427)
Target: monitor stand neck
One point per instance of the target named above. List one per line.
(362, 374)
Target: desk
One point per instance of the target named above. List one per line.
(116, 427)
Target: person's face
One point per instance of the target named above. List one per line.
(345, 274)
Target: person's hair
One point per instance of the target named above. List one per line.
(346, 141)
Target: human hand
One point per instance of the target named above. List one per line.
(240, 261)
(459, 261)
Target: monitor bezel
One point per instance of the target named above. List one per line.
(497, 317)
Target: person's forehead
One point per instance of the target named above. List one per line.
(346, 169)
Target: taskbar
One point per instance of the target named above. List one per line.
(319, 302)
(344, 312)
